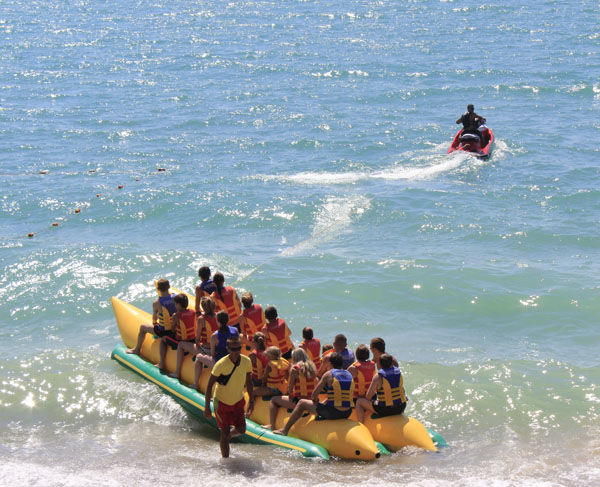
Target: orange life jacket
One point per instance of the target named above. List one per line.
(277, 378)
(303, 387)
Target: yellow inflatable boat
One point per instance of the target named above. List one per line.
(345, 439)
(342, 438)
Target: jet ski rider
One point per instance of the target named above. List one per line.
(471, 121)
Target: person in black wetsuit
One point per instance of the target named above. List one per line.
(471, 121)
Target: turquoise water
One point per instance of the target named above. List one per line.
(303, 147)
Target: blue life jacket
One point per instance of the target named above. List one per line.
(391, 392)
(166, 303)
(208, 286)
(341, 392)
(348, 356)
(221, 348)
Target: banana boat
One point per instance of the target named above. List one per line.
(342, 438)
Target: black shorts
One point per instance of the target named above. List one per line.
(160, 332)
(173, 342)
(382, 410)
(331, 412)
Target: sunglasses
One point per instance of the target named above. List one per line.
(235, 349)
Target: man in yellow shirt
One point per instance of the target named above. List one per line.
(230, 374)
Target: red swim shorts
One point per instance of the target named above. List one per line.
(231, 415)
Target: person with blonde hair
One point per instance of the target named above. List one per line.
(302, 383)
(275, 375)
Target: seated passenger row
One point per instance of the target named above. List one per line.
(336, 370)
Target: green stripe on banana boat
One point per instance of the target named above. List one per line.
(193, 401)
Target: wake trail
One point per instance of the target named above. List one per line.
(418, 167)
(333, 216)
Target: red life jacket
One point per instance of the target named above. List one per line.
(229, 303)
(210, 326)
(364, 376)
(255, 320)
(278, 335)
(313, 350)
(186, 328)
(258, 368)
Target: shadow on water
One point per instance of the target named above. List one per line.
(248, 467)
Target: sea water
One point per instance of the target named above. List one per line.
(300, 148)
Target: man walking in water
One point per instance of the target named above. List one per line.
(470, 121)
(230, 374)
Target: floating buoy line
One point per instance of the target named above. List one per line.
(284, 253)
(76, 211)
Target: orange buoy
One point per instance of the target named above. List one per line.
(55, 224)
(77, 210)
(30, 234)
(98, 195)
(120, 186)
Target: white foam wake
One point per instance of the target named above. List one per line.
(335, 214)
(415, 173)
(411, 167)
